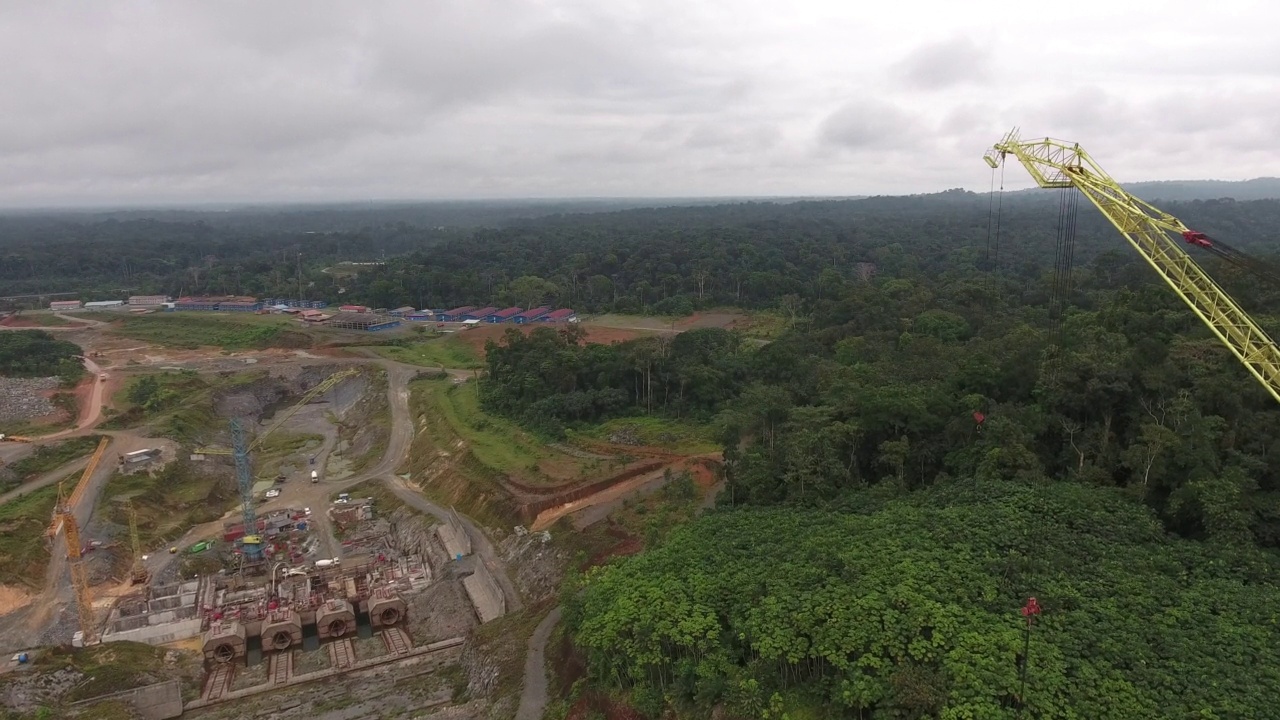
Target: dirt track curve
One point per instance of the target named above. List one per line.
(533, 698)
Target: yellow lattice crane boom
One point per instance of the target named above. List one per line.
(81, 486)
(325, 386)
(79, 575)
(138, 573)
(1158, 237)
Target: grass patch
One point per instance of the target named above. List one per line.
(170, 501)
(449, 473)
(109, 668)
(23, 554)
(652, 516)
(49, 457)
(176, 405)
(666, 433)
(763, 325)
(279, 447)
(45, 319)
(445, 352)
(495, 441)
(230, 331)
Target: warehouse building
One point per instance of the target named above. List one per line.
(363, 321)
(562, 315)
(240, 304)
(222, 303)
(455, 315)
(148, 300)
(503, 315)
(65, 305)
(296, 303)
(530, 315)
(480, 314)
(402, 311)
(103, 304)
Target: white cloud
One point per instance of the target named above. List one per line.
(186, 100)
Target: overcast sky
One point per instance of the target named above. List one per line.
(188, 102)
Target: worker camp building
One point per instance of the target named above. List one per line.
(57, 305)
(363, 321)
(224, 303)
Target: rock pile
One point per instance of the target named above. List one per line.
(20, 398)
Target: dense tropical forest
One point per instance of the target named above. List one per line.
(914, 457)
(35, 353)
(666, 260)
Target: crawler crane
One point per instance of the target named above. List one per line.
(1159, 238)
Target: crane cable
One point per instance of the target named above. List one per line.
(993, 259)
(1060, 297)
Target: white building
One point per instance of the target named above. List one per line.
(104, 304)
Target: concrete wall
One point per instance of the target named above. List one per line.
(157, 634)
(485, 594)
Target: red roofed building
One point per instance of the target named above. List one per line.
(503, 315)
(455, 315)
(562, 315)
(530, 315)
(480, 314)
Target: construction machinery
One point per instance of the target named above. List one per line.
(138, 574)
(81, 486)
(64, 517)
(14, 438)
(241, 449)
(64, 512)
(1159, 238)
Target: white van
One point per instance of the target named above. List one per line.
(315, 476)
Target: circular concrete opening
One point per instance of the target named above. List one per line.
(224, 653)
(281, 640)
(337, 628)
(390, 616)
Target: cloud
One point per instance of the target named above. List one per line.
(944, 64)
(867, 123)
(190, 101)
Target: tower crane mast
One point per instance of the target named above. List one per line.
(1155, 234)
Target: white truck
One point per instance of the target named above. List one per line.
(328, 562)
(315, 476)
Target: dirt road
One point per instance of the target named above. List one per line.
(533, 698)
(90, 412)
(45, 480)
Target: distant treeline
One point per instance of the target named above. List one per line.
(667, 260)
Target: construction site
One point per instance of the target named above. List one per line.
(270, 526)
